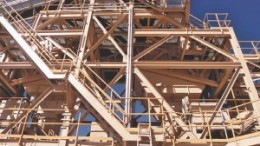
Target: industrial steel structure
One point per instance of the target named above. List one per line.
(124, 72)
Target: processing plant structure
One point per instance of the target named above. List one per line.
(124, 73)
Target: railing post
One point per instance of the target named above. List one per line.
(149, 111)
(22, 131)
(77, 131)
(209, 131)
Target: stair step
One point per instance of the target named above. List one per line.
(115, 101)
(144, 145)
(144, 135)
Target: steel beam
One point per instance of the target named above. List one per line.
(185, 65)
(20, 81)
(146, 31)
(152, 47)
(190, 78)
(84, 38)
(141, 32)
(181, 32)
(17, 65)
(222, 82)
(79, 14)
(167, 65)
(4, 79)
(215, 48)
(129, 64)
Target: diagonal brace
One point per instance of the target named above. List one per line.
(106, 35)
(221, 102)
(164, 103)
(215, 48)
(32, 106)
(152, 47)
(110, 37)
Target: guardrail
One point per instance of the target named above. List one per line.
(211, 20)
(217, 20)
(87, 76)
(250, 47)
(230, 122)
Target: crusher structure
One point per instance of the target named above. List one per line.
(124, 73)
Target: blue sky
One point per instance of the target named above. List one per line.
(244, 15)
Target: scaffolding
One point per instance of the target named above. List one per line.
(119, 72)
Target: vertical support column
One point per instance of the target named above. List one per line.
(64, 129)
(129, 71)
(84, 37)
(252, 92)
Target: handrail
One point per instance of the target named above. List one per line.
(216, 20)
(197, 23)
(223, 110)
(33, 38)
(237, 125)
(85, 6)
(231, 109)
(250, 47)
(68, 65)
(22, 25)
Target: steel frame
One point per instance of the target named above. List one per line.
(89, 72)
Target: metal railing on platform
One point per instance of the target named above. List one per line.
(87, 76)
(250, 47)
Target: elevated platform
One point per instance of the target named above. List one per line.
(120, 72)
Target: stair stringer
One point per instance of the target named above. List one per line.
(88, 96)
(111, 120)
(29, 51)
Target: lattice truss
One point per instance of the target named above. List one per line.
(118, 72)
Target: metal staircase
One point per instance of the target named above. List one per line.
(54, 68)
